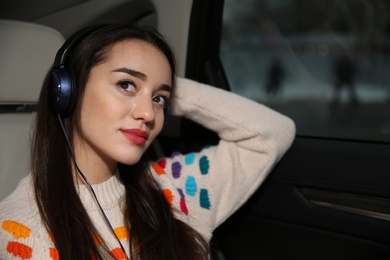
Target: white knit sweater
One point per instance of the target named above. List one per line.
(205, 187)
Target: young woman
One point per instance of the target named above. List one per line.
(91, 194)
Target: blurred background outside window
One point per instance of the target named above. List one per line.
(325, 63)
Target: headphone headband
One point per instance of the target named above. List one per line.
(71, 42)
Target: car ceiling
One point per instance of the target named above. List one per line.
(68, 16)
(31, 10)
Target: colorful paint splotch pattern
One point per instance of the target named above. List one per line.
(20, 249)
(180, 170)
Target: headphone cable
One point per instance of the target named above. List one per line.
(89, 185)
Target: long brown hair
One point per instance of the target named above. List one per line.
(60, 207)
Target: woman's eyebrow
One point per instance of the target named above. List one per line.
(142, 76)
(134, 73)
(166, 88)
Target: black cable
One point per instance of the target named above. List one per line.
(98, 203)
(89, 185)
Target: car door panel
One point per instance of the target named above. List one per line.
(324, 199)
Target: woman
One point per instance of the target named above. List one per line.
(92, 194)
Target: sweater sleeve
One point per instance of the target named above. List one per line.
(219, 179)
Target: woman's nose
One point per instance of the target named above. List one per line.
(143, 109)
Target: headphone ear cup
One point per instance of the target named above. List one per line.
(61, 91)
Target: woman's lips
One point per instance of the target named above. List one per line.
(136, 136)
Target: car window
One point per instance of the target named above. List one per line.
(324, 63)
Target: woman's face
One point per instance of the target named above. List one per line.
(122, 110)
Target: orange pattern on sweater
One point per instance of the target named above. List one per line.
(168, 195)
(54, 253)
(23, 251)
(17, 229)
(121, 232)
(118, 254)
(20, 250)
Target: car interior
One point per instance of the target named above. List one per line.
(21, 79)
(329, 196)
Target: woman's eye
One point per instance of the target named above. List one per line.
(127, 85)
(161, 100)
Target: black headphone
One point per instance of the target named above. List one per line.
(62, 89)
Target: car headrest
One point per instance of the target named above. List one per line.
(27, 51)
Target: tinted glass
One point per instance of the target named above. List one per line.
(325, 63)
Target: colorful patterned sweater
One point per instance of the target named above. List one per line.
(205, 187)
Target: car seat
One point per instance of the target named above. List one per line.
(27, 51)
